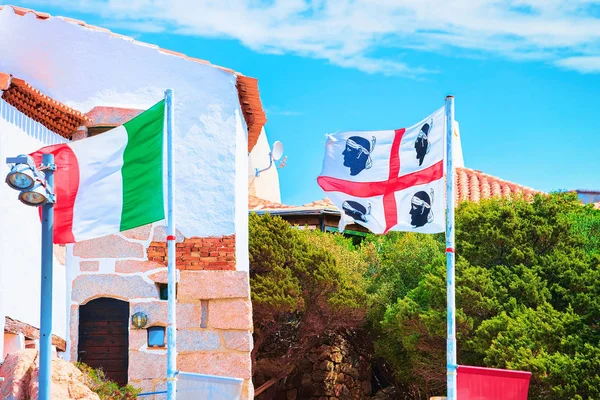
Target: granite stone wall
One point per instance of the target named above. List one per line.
(214, 312)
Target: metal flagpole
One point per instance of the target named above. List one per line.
(45, 377)
(451, 365)
(171, 239)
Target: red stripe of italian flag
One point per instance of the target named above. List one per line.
(110, 182)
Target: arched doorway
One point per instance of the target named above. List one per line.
(104, 337)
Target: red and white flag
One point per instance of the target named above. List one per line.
(389, 180)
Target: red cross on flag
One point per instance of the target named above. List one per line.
(389, 180)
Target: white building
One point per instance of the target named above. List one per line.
(78, 80)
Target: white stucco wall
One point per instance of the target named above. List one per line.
(85, 68)
(20, 230)
(457, 153)
(266, 185)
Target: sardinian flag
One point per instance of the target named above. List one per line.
(389, 180)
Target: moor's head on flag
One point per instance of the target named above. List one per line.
(390, 187)
(357, 154)
(422, 144)
(421, 212)
(356, 211)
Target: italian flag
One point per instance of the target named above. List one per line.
(110, 182)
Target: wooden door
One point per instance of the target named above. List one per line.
(104, 337)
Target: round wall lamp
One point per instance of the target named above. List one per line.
(139, 320)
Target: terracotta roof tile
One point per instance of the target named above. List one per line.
(252, 108)
(54, 115)
(247, 87)
(473, 185)
(326, 203)
(256, 204)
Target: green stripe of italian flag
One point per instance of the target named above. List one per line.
(110, 182)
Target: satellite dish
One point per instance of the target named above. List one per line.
(277, 151)
(275, 155)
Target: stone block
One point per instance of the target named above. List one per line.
(160, 385)
(139, 233)
(87, 287)
(197, 285)
(147, 385)
(348, 369)
(74, 332)
(189, 315)
(326, 365)
(238, 340)
(162, 276)
(160, 234)
(230, 314)
(247, 390)
(157, 311)
(188, 340)
(89, 266)
(111, 246)
(336, 357)
(138, 338)
(232, 364)
(130, 266)
(144, 365)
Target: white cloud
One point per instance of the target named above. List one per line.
(354, 33)
(582, 64)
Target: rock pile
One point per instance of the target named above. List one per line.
(20, 371)
(330, 372)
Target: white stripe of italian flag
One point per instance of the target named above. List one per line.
(110, 182)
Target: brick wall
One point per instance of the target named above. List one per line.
(202, 254)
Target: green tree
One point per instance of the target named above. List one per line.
(304, 284)
(528, 297)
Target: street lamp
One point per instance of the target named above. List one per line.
(21, 175)
(36, 185)
(36, 196)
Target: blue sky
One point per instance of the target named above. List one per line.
(525, 73)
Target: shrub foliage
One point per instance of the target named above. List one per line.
(527, 294)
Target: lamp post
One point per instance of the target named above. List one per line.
(37, 189)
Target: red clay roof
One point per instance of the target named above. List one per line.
(251, 107)
(471, 185)
(325, 203)
(256, 203)
(247, 87)
(55, 116)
